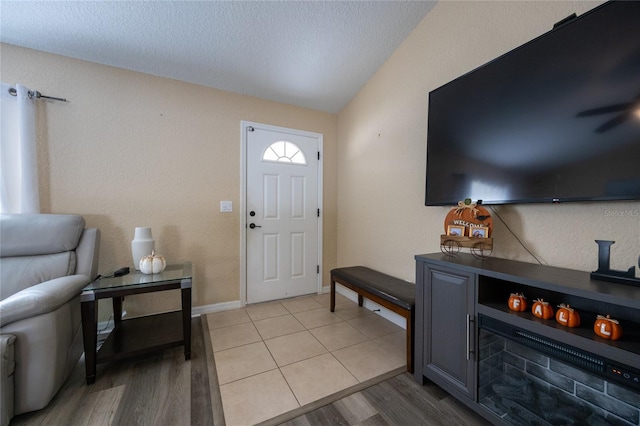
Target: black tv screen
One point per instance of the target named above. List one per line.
(554, 120)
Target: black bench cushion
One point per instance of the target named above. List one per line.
(392, 289)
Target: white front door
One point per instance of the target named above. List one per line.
(282, 209)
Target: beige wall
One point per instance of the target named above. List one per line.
(131, 149)
(382, 220)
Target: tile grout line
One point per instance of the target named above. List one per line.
(342, 320)
(279, 367)
(308, 330)
(331, 353)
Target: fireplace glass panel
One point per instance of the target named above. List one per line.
(524, 386)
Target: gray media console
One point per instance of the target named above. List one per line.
(512, 367)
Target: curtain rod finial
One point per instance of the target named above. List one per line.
(35, 94)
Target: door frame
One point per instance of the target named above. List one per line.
(243, 199)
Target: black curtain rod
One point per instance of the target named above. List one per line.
(36, 94)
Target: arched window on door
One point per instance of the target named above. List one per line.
(284, 152)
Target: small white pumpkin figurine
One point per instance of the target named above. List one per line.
(152, 264)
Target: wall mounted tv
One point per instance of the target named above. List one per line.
(554, 120)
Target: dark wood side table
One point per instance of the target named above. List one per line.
(136, 336)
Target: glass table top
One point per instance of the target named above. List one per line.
(172, 273)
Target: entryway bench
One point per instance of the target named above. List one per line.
(393, 293)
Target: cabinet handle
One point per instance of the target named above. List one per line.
(469, 351)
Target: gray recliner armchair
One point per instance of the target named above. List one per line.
(45, 262)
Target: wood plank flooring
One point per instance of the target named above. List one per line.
(163, 389)
(396, 401)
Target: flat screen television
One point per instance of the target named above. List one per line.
(554, 120)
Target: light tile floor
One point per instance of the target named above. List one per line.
(277, 356)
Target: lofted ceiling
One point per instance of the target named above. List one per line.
(312, 54)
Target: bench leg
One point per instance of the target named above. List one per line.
(360, 299)
(410, 319)
(332, 306)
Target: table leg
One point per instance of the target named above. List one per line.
(90, 335)
(117, 311)
(186, 321)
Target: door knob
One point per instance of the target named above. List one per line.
(253, 225)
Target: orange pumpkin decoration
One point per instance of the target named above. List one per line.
(567, 316)
(607, 328)
(517, 302)
(542, 309)
(467, 213)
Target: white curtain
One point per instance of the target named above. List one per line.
(18, 153)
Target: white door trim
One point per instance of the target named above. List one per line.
(243, 199)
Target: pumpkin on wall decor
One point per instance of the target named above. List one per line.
(567, 316)
(607, 328)
(542, 309)
(517, 302)
(470, 215)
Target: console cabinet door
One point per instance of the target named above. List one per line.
(449, 329)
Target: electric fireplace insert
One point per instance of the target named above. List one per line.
(528, 379)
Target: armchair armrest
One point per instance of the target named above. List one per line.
(41, 298)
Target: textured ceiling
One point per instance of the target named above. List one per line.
(314, 54)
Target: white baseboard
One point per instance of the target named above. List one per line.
(216, 307)
(372, 306)
(105, 327)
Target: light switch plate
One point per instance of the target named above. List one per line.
(226, 206)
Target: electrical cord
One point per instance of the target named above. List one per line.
(102, 339)
(516, 237)
(99, 277)
(106, 326)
